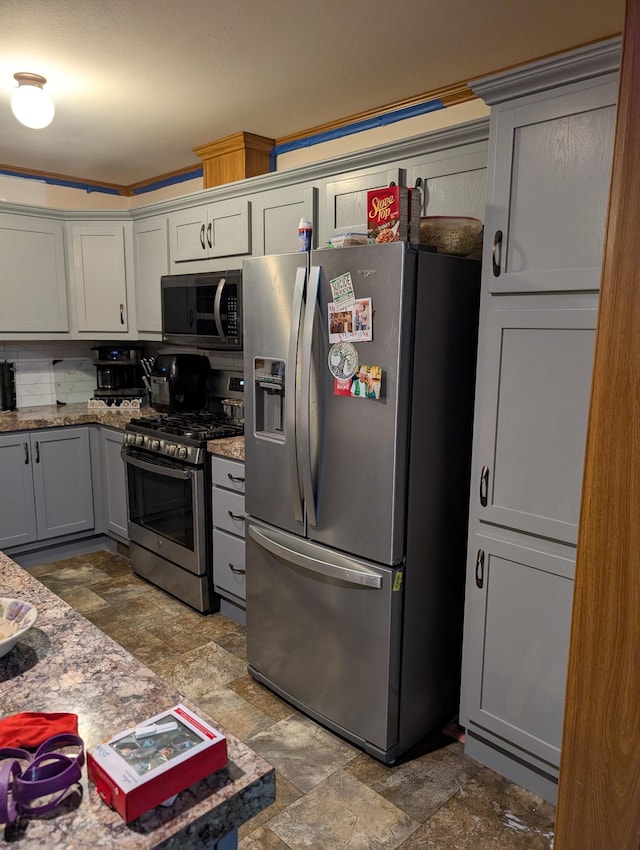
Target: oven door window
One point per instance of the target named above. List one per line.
(163, 505)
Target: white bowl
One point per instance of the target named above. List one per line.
(16, 618)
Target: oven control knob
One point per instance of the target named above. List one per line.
(154, 445)
(139, 440)
(182, 452)
(171, 449)
(129, 438)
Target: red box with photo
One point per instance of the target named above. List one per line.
(154, 761)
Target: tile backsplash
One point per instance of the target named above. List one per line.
(38, 382)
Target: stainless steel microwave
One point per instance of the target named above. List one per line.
(203, 310)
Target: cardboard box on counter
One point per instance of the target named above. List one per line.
(393, 214)
(149, 764)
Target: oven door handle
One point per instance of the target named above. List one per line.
(216, 309)
(170, 472)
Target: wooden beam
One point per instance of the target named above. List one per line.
(599, 789)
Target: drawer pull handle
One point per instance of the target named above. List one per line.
(484, 486)
(235, 478)
(480, 568)
(239, 571)
(236, 516)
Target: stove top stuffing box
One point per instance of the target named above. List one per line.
(169, 494)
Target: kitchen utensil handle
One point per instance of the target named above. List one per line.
(305, 395)
(480, 568)
(170, 472)
(238, 478)
(122, 314)
(216, 308)
(237, 570)
(345, 568)
(496, 253)
(240, 517)
(484, 486)
(25, 446)
(292, 396)
(202, 237)
(209, 234)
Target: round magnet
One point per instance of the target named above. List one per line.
(343, 360)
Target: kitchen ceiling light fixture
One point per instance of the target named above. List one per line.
(30, 103)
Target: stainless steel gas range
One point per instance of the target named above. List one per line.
(169, 501)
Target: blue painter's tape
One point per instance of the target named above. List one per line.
(169, 181)
(58, 181)
(359, 127)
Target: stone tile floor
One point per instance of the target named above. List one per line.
(329, 793)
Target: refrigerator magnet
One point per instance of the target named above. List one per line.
(343, 360)
(367, 382)
(342, 290)
(350, 324)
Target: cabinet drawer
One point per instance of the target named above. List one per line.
(228, 564)
(228, 474)
(228, 511)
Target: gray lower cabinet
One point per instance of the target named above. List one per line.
(46, 485)
(228, 536)
(113, 483)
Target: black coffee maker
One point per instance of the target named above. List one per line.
(179, 382)
(119, 372)
(7, 386)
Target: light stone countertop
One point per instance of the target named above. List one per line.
(52, 416)
(65, 663)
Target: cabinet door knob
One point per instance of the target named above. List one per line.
(480, 568)
(202, 237)
(496, 254)
(484, 486)
(25, 446)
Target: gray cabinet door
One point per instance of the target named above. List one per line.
(63, 492)
(454, 182)
(17, 506)
(221, 229)
(518, 627)
(275, 216)
(552, 164)
(151, 261)
(34, 291)
(533, 383)
(343, 205)
(114, 486)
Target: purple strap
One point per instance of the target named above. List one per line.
(47, 773)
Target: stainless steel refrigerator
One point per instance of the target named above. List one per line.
(357, 502)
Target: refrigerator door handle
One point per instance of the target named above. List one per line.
(305, 396)
(216, 309)
(291, 396)
(345, 569)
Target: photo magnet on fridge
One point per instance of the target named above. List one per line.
(350, 324)
(365, 383)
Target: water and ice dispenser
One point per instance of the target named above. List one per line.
(269, 393)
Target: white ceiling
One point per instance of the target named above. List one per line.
(139, 83)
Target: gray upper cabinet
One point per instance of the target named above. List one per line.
(454, 182)
(275, 216)
(33, 280)
(343, 206)
(101, 278)
(545, 224)
(220, 229)
(151, 261)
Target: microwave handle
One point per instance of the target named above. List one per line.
(216, 309)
